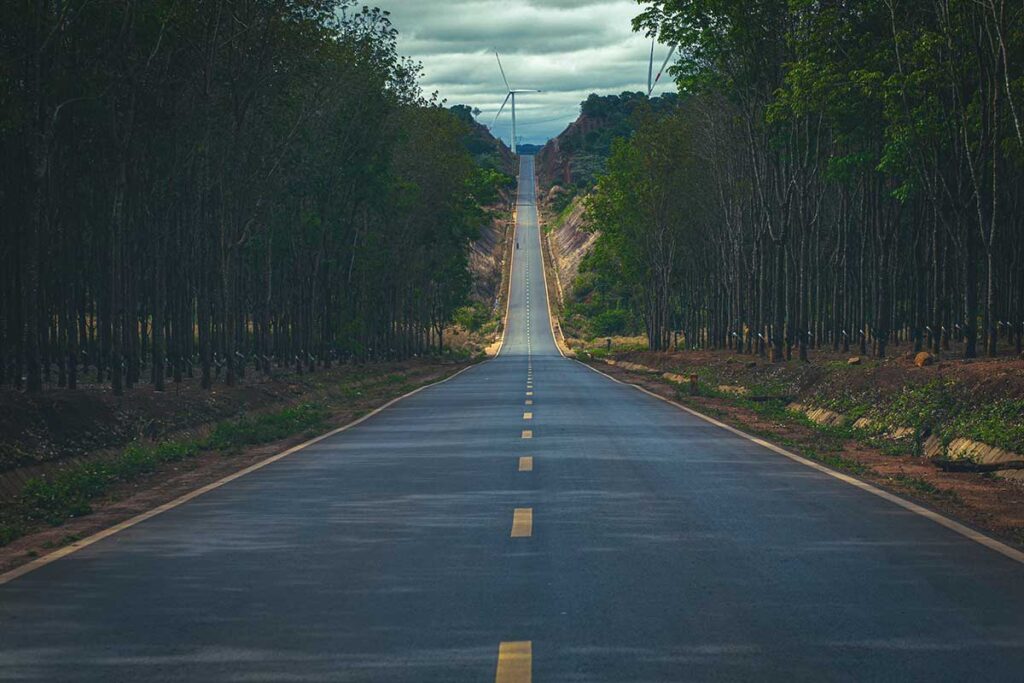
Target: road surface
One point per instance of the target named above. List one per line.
(639, 544)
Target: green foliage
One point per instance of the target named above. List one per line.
(473, 317)
(931, 405)
(605, 119)
(854, 155)
(926, 488)
(282, 154)
(265, 427)
(999, 423)
(68, 492)
(648, 209)
(612, 322)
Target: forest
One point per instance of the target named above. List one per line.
(843, 175)
(215, 187)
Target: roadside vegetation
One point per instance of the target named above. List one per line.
(204, 440)
(219, 187)
(228, 225)
(884, 419)
(835, 178)
(890, 404)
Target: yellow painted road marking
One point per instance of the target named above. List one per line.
(529, 402)
(515, 662)
(526, 463)
(529, 393)
(527, 434)
(527, 416)
(522, 523)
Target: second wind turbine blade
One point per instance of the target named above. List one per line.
(502, 69)
(662, 69)
(501, 109)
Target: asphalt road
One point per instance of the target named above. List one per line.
(643, 545)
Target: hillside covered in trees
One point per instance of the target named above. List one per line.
(836, 175)
(220, 186)
(573, 160)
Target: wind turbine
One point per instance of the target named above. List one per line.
(651, 82)
(510, 96)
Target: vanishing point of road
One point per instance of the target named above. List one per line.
(527, 519)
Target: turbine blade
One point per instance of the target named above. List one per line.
(662, 69)
(507, 97)
(502, 69)
(650, 69)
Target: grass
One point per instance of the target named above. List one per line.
(1000, 424)
(68, 493)
(838, 462)
(232, 436)
(926, 488)
(828, 451)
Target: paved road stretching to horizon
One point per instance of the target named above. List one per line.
(529, 517)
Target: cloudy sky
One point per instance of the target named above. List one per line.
(567, 48)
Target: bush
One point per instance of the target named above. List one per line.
(228, 436)
(610, 323)
(472, 317)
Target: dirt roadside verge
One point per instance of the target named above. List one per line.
(342, 399)
(989, 504)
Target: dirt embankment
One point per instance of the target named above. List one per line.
(486, 256)
(888, 411)
(570, 241)
(555, 161)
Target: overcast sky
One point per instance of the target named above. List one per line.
(567, 48)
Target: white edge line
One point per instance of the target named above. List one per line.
(40, 562)
(544, 273)
(963, 530)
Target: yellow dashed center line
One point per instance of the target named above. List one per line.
(529, 393)
(515, 662)
(527, 416)
(522, 523)
(527, 433)
(529, 402)
(526, 463)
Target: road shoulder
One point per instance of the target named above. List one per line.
(986, 510)
(176, 483)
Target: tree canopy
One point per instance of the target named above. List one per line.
(858, 177)
(217, 185)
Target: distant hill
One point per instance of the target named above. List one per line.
(487, 150)
(530, 149)
(577, 156)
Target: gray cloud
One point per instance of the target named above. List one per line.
(567, 48)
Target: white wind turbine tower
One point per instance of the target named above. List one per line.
(651, 82)
(510, 96)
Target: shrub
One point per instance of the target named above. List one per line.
(472, 317)
(613, 322)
